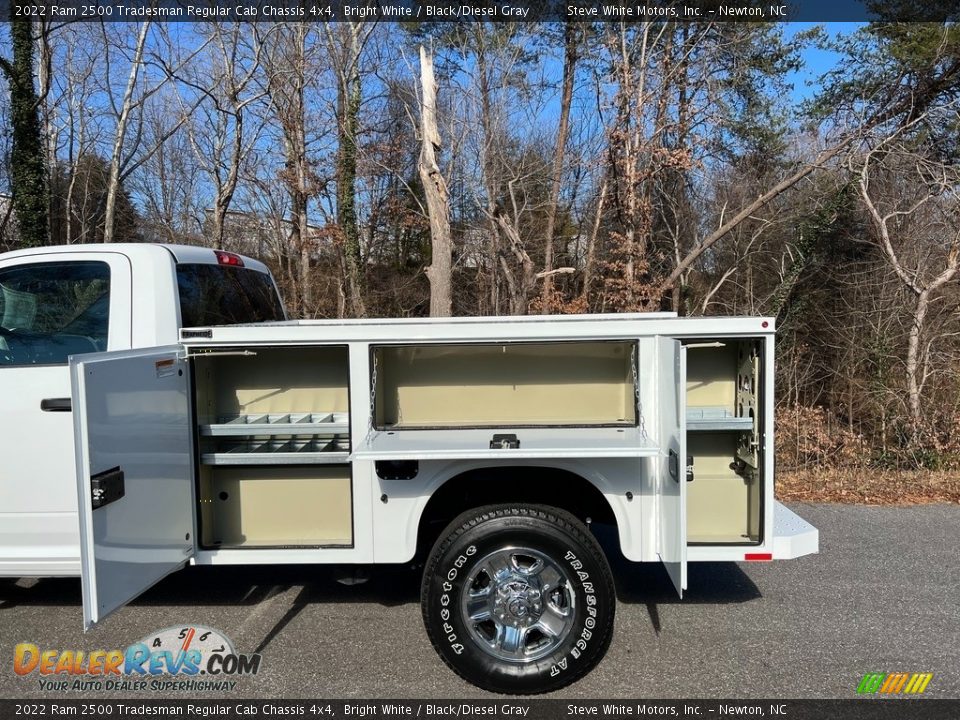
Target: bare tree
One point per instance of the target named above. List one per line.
(915, 217)
(437, 196)
(345, 44)
(571, 49)
(128, 152)
(289, 73)
(123, 120)
(226, 132)
(171, 184)
(73, 124)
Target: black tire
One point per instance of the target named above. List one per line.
(544, 583)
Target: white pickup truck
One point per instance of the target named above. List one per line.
(62, 301)
(486, 446)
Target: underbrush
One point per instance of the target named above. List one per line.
(868, 486)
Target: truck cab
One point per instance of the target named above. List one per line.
(56, 302)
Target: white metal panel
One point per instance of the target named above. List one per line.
(672, 481)
(132, 411)
(364, 494)
(397, 520)
(485, 329)
(767, 449)
(793, 536)
(38, 507)
(467, 444)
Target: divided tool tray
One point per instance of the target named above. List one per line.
(712, 419)
(277, 439)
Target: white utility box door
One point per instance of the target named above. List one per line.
(671, 499)
(134, 472)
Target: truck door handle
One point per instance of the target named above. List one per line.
(56, 405)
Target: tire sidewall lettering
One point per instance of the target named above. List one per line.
(452, 638)
(588, 592)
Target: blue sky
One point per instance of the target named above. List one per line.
(815, 61)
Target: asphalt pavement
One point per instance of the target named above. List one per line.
(883, 595)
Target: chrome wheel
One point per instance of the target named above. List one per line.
(519, 604)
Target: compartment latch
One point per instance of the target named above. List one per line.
(674, 467)
(504, 441)
(106, 487)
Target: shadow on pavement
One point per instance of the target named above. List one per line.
(388, 585)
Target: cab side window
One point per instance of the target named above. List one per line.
(49, 311)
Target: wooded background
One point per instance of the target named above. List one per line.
(397, 170)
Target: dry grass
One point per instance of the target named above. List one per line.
(868, 487)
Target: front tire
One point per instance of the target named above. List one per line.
(518, 598)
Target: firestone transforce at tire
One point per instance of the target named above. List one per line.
(518, 598)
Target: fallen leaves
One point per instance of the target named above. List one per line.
(867, 486)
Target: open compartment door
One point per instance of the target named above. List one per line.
(671, 501)
(134, 473)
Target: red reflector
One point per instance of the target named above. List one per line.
(758, 556)
(226, 258)
(764, 324)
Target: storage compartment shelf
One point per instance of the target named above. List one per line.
(465, 444)
(318, 451)
(278, 439)
(712, 419)
(278, 424)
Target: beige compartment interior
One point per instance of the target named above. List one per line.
(267, 506)
(723, 506)
(258, 500)
(572, 383)
(274, 380)
(712, 376)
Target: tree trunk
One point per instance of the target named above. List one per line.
(228, 186)
(298, 208)
(28, 165)
(590, 261)
(487, 168)
(113, 184)
(50, 133)
(519, 288)
(348, 110)
(435, 190)
(570, 44)
(913, 357)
